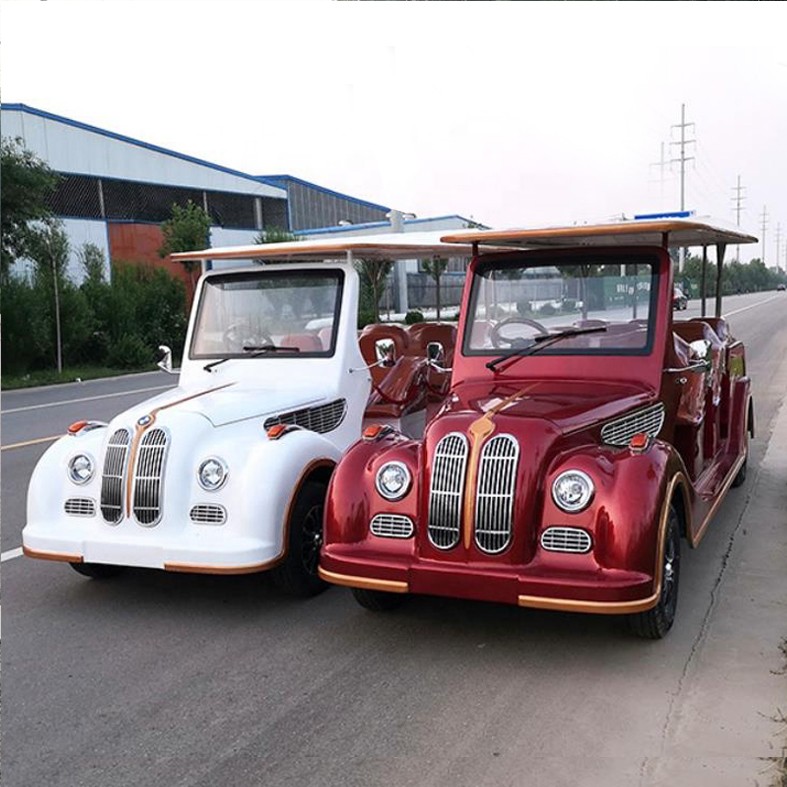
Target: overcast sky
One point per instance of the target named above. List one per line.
(513, 113)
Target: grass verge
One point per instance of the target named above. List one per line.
(12, 382)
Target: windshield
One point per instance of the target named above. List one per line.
(516, 305)
(296, 314)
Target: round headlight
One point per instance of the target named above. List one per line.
(393, 480)
(212, 474)
(572, 491)
(80, 468)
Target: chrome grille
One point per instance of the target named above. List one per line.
(446, 490)
(148, 477)
(495, 495)
(113, 474)
(322, 419)
(619, 432)
(80, 506)
(566, 539)
(392, 526)
(205, 514)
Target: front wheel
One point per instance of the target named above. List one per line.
(656, 622)
(297, 575)
(97, 570)
(378, 600)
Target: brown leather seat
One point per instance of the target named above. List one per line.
(367, 341)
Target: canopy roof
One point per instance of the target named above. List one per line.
(396, 246)
(640, 232)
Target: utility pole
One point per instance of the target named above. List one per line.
(778, 244)
(682, 159)
(738, 200)
(662, 165)
(763, 227)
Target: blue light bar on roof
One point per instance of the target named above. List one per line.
(675, 214)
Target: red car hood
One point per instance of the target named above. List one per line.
(568, 405)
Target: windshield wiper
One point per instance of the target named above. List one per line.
(540, 342)
(252, 351)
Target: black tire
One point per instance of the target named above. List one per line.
(740, 477)
(656, 622)
(97, 570)
(378, 600)
(297, 575)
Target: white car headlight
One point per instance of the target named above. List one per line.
(81, 468)
(572, 491)
(212, 474)
(393, 480)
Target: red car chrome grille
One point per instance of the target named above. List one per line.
(495, 494)
(447, 490)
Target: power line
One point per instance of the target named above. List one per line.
(778, 243)
(683, 125)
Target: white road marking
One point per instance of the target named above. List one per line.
(752, 305)
(11, 554)
(36, 441)
(85, 399)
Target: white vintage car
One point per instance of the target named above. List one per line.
(227, 472)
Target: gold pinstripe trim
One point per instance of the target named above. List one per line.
(140, 430)
(365, 583)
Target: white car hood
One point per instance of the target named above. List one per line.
(227, 404)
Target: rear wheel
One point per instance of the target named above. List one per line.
(97, 570)
(378, 600)
(656, 622)
(297, 575)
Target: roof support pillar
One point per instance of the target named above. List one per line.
(703, 276)
(720, 249)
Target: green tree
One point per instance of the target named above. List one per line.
(49, 248)
(93, 263)
(373, 273)
(27, 182)
(275, 235)
(435, 267)
(187, 229)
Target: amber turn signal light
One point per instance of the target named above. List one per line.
(77, 426)
(276, 431)
(639, 441)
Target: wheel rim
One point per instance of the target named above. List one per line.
(670, 575)
(311, 539)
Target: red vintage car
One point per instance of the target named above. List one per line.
(586, 435)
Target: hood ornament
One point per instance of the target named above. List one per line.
(144, 420)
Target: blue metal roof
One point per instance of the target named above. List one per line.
(282, 180)
(131, 141)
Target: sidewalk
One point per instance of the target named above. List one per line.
(728, 724)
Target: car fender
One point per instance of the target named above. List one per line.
(627, 514)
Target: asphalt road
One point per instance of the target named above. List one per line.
(175, 679)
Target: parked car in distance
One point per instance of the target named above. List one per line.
(575, 452)
(781, 287)
(227, 472)
(679, 300)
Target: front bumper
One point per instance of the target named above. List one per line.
(599, 591)
(189, 548)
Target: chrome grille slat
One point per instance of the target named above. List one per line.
(446, 491)
(495, 494)
(80, 506)
(113, 474)
(392, 526)
(321, 419)
(208, 514)
(620, 431)
(566, 539)
(148, 477)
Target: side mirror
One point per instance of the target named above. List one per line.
(435, 351)
(385, 351)
(700, 348)
(165, 362)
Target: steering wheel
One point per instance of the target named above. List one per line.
(500, 341)
(239, 334)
